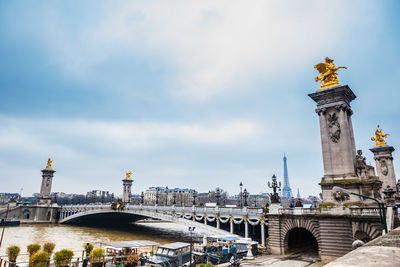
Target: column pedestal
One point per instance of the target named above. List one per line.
(384, 166)
(45, 189)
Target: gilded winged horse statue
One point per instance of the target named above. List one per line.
(327, 74)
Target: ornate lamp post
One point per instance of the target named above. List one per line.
(166, 196)
(194, 195)
(217, 195)
(241, 201)
(174, 196)
(275, 185)
(245, 196)
(142, 198)
(157, 196)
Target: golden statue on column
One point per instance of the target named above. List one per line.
(328, 76)
(128, 175)
(49, 162)
(378, 138)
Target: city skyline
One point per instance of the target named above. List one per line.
(197, 95)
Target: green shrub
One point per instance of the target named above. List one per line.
(12, 253)
(88, 249)
(40, 258)
(32, 249)
(63, 255)
(324, 205)
(209, 264)
(97, 254)
(49, 247)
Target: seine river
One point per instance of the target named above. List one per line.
(73, 237)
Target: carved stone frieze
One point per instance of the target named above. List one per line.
(384, 167)
(333, 127)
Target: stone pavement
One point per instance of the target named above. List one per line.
(383, 251)
(290, 260)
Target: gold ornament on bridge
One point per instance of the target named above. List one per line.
(49, 162)
(128, 175)
(328, 76)
(378, 138)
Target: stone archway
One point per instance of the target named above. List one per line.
(363, 236)
(26, 214)
(366, 231)
(301, 240)
(297, 230)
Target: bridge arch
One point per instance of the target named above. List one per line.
(132, 215)
(301, 231)
(26, 214)
(366, 231)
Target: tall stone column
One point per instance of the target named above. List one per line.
(384, 165)
(337, 141)
(127, 184)
(47, 180)
(337, 138)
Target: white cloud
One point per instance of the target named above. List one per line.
(211, 47)
(50, 134)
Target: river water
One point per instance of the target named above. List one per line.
(73, 237)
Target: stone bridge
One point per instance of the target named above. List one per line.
(199, 217)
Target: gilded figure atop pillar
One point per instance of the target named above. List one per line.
(328, 76)
(128, 175)
(378, 138)
(49, 162)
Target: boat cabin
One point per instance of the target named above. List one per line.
(123, 248)
(173, 254)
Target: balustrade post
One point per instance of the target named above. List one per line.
(231, 225)
(205, 219)
(246, 228)
(262, 233)
(218, 222)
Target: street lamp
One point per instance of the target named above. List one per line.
(174, 196)
(166, 196)
(157, 196)
(191, 229)
(274, 185)
(217, 195)
(241, 202)
(245, 196)
(194, 195)
(381, 206)
(142, 198)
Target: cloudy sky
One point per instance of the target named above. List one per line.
(197, 94)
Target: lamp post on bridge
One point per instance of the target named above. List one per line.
(142, 198)
(245, 196)
(275, 185)
(194, 195)
(217, 195)
(157, 196)
(381, 206)
(174, 197)
(240, 197)
(166, 196)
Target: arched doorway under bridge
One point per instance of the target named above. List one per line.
(299, 240)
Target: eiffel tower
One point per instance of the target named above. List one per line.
(286, 190)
